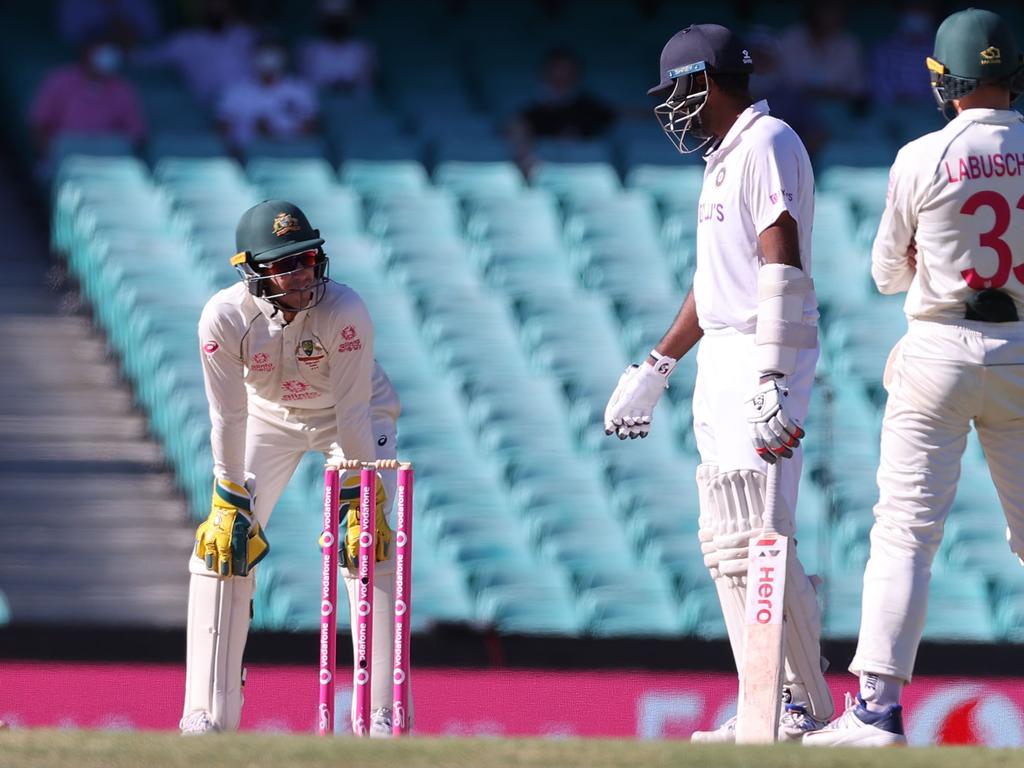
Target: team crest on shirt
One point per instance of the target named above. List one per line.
(309, 352)
(285, 223)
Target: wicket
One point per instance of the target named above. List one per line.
(364, 594)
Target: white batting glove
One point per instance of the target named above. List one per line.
(774, 432)
(631, 405)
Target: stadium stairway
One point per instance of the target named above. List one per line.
(92, 529)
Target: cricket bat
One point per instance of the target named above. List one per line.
(757, 711)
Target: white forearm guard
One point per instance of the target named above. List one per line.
(781, 332)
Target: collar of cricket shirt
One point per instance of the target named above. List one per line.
(743, 120)
(991, 116)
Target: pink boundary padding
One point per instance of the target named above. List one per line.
(403, 602)
(328, 603)
(364, 600)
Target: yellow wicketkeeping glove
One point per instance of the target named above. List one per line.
(231, 541)
(348, 504)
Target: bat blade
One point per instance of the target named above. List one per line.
(757, 711)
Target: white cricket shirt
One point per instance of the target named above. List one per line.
(323, 359)
(959, 194)
(759, 170)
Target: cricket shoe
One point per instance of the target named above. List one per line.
(794, 723)
(197, 723)
(380, 723)
(860, 727)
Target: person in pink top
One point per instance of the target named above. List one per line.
(87, 97)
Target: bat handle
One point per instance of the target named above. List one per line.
(771, 497)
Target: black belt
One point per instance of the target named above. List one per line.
(991, 306)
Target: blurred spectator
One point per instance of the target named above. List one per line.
(564, 109)
(337, 59)
(784, 100)
(272, 104)
(210, 57)
(87, 97)
(898, 61)
(126, 22)
(823, 59)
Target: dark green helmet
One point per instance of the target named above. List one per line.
(973, 47)
(275, 242)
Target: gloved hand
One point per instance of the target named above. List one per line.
(230, 541)
(629, 409)
(774, 432)
(349, 505)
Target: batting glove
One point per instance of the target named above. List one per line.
(773, 431)
(631, 405)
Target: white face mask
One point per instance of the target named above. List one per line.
(106, 59)
(270, 62)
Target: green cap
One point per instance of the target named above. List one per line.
(274, 228)
(976, 45)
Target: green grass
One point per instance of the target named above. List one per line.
(94, 749)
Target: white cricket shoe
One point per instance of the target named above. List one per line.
(197, 723)
(859, 727)
(380, 723)
(794, 723)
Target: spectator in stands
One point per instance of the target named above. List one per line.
(129, 22)
(210, 57)
(896, 62)
(273, 104)
(563, 108)
(88, 97)
(337, 59)
(823, 59)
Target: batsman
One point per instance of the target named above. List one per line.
(753, 308)
(288, 363)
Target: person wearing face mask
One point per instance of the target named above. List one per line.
(88, 97)
(273, 104)
(337, 59)
(897, 59)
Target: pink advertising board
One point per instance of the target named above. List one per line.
(458, 702)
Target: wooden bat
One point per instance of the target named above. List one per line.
(757, 711)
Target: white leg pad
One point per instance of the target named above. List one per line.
(219, 612)
(732, 504)
(383, 631)
(804, 671)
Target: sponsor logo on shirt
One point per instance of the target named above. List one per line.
(780, 195)
(261, 362)
(309, 353)
(710, 212)
(351, 343)
(720, 176)
(297, 390)
(210, 347)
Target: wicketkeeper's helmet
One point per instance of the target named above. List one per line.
(274, 239)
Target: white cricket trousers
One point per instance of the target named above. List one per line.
(941, 378)
(726, 380)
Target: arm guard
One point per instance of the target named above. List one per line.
(781, 332)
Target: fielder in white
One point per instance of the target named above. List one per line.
(952, 237)
(752, 306)
(288, 362)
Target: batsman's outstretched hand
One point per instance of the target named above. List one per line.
(629, 409)
(230, 541)
(774, 432)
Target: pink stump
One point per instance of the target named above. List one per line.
(403, 601)
(328, 603)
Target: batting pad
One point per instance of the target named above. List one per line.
(218, 626)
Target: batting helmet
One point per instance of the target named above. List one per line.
(973, 47)
(273, 240)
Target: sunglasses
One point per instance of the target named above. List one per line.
(292, 263)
